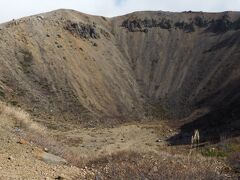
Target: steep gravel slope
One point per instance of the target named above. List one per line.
(62, 63)
(183, 60)
(71, 65)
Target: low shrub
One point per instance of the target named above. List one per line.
(2, 94)
(132, 165)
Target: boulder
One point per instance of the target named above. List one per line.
(49, 158)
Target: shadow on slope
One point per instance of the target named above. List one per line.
(219, 124)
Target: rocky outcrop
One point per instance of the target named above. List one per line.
(200, 22)
(223, 25)
(143, 25)
(86, 31)
(220, 25)
(82, 30)
(186, 27)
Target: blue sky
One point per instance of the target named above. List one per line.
(13, 9)
(119, 2)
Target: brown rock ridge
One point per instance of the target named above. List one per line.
(68, 64)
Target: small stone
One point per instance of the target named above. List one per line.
(159, 140)
(22, 141)
(10, 158)
(61, 177)
(46, 149)
(155, 169)
(40, 17)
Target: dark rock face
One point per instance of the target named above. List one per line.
(200, 22)
(86, 31)
(223, 25)
(139, 25)
(236, 24)
(186, 27)
(143, 25)
(220, 25)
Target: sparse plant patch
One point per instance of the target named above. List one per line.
(228, 151)
(132, 165)
(213, 152)
(2, 94)
(14, 103)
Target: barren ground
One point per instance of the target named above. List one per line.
(96, 152)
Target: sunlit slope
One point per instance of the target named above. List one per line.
(68, 64)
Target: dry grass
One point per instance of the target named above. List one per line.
(35, 133)
(20, 118)
(132, 165)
